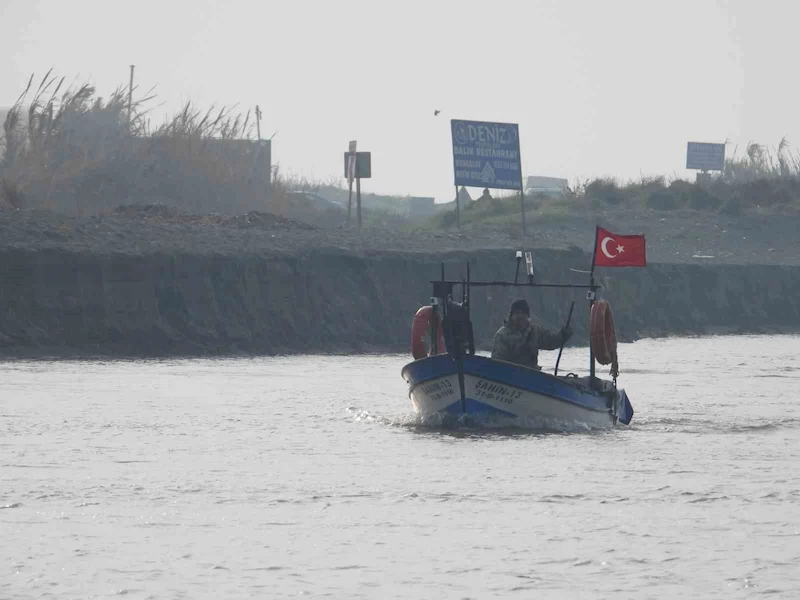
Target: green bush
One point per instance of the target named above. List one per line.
(665, 200)
(605, 191)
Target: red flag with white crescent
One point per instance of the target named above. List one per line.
(614, 250)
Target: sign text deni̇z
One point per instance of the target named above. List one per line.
(486, 154)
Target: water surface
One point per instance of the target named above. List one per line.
(310, 477)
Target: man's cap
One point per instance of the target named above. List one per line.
(520, 305)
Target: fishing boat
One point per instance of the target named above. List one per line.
(449, 379)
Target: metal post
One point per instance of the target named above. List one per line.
(591, 303)
(469, 285)
(358, 200)
(130, 102)
(470, 332)
(561, 349)
(521, 192)
(591, 349)
(458, 209)
(437, 322)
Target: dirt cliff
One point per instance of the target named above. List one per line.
(67, 303)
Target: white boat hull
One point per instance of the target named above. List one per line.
(503, 401)
(500, 391)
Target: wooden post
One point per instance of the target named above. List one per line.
(349, 201)
(358, 200)
(351, 171)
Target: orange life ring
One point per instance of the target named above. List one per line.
(421, 327)
(604, 336)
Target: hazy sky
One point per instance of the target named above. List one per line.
(598, 88)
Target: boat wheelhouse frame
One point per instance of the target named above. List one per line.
(457, 325)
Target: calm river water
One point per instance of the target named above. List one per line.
(310, 477)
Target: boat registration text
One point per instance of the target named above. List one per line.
(494, 391)
(438, 390)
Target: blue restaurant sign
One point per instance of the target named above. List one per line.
(486, 154)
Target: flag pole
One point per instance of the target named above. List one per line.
(592, 291)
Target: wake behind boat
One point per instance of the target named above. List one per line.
(448, 378)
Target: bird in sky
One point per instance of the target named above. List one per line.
(436, 112)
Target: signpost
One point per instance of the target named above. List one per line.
(705, 157)
(349, 172)
(358, 166)
(487, 155)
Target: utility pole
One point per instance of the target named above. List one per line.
(130, 102)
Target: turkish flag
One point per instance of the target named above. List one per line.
(613, 250)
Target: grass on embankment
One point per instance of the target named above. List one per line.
(75, 152)
(762, 182)
(72, 151)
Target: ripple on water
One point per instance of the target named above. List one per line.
(244, 476)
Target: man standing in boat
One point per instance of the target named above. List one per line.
(519, 341)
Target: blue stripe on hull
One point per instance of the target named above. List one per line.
(443, 365)
(475, 407)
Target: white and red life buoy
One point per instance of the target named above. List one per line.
(603, 333)
(422, 328)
